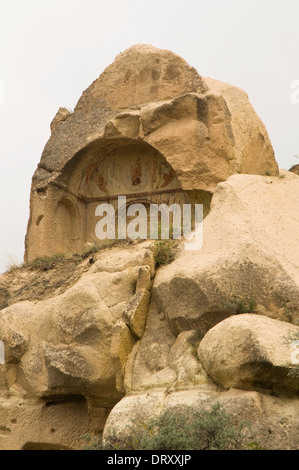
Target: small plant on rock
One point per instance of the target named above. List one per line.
(165, 251)
(45, 263)
(241, 303)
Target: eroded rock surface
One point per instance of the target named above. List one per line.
(249, 260)
(70, 350)
(114, 336)
(149, 128)
(244, 280)
(125, 337)
(251, 352)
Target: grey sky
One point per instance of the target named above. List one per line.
(51, 50)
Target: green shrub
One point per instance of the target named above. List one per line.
(92, 442)
(183, 428)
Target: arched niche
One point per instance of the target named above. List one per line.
(67, 227)
(108, 168)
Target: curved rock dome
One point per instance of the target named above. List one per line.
(141, 74)
(149, 128)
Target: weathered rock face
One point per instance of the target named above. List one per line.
(61, 115)
(139, 75)
(249, 260)
(248, 263)
(117, 337)
(68, 352)
(125, 337)
(149, 128)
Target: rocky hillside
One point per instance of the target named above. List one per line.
(92, 344)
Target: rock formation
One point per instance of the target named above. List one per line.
(94, 343)
(66, 353)
(236, 302)
(295, 169)
(149, 128)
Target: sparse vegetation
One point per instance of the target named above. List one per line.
(40, 278)
(45, 275)
(13, 265)
(45, 263)
(90, 250)
(241, 303)
(186, 429)
(183, 428)
(165, 251)
(97, 246)
(92, 442)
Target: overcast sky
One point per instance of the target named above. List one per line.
(51, 50)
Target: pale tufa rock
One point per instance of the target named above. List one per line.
(121, 345)
(144, 278)
(250, 352)
(61, 115)
(248, 262)
(135, 313)
(151, 122)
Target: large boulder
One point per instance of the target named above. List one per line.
(251, 352)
